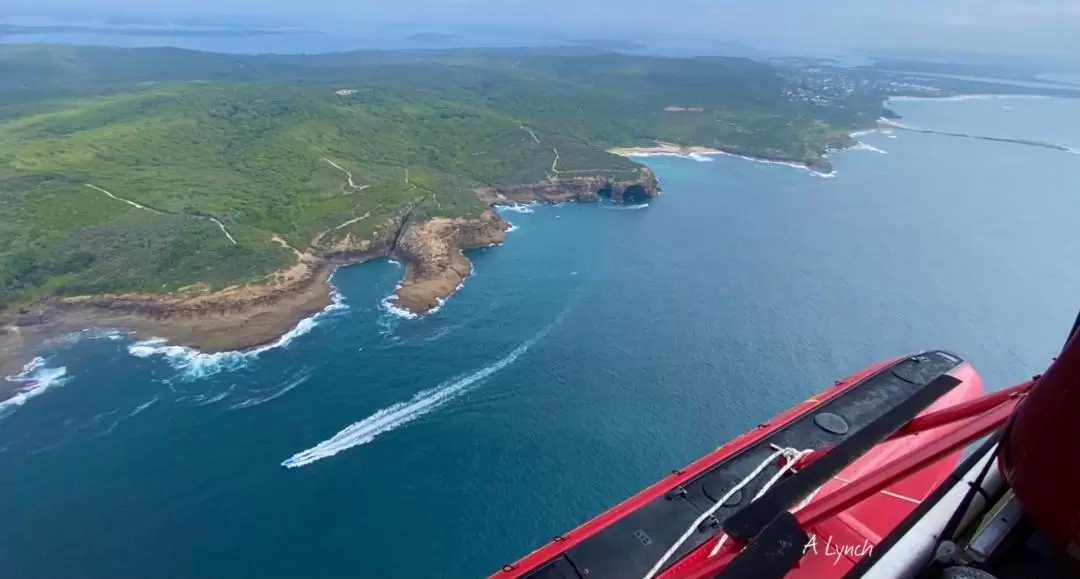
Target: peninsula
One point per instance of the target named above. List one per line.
(206, 198)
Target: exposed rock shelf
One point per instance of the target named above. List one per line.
(247, 316)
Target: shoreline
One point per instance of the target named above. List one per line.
(967, 97)
(228, 326)
(701, 153)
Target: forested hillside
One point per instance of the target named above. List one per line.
(151, 170)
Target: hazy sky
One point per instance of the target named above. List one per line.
(985, 25)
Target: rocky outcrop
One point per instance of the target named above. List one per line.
(588, 189)
(246, 316)
(435, 265)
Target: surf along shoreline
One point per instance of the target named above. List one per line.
(243, 319)
(663, 149)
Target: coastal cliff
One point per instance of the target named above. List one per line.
(250, 315)
(435, 266)
(640, 189)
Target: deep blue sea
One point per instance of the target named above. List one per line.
(599, 348)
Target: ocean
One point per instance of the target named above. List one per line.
(598, 349)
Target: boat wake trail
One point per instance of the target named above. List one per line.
(402, 413)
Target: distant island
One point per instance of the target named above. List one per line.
(207, 198)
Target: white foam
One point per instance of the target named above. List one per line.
(857, 134)
(399, 414)
(34, 380)
(275, 395)
(861, 146)
(521, 208)
(194, 364)
(892, 136)
(510, 229)
(700, 158)
(388, 304)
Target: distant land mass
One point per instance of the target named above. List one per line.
(436, 37)
(16, 29)
(206, 198)
(612, 44)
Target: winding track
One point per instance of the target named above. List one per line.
(151, 210)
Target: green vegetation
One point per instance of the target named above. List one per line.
(263, 143)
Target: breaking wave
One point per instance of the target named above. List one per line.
(194, 364)
(397, 415)
(523, 208)
(388, 305)
(391, 308)
(35, 379)
(861, 146)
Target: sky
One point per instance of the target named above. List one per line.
(1018, 26)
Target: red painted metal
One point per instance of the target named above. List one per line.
(940, 418)
(865, 524)
(553, 549)
(901, 467)
(830, 509)
(1038, 455)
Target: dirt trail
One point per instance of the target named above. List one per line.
(151, 210)
(354, 220)
(348, 175)
(554, 174)
(122, 200)
(278, 240)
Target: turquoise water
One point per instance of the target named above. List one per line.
(596, 350)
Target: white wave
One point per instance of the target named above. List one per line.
(34, 380)
(1074, 151)
(892, 136)
(388, 304)
(887, 131)
(522, 208)
(861, 146)
(402, 413)
(275, 395)
(194, 364)
(510, 229)
(700, 158)
(858, 134)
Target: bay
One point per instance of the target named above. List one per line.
(599, 348)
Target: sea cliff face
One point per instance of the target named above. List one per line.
(590, 189)
(246, 316)
(435, 265)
